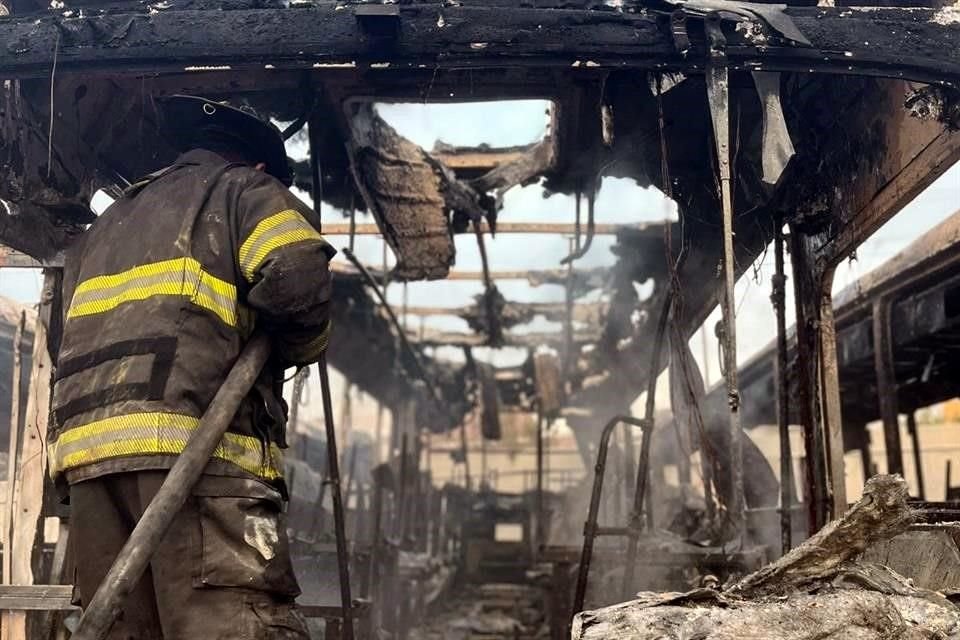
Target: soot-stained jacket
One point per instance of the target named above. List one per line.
(160, 296)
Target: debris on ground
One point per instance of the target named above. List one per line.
(818, 591)
(485, 612)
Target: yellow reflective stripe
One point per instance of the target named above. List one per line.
(279, 230)
(178, 277)
(150, 421)
(155, 433)
(110, 281)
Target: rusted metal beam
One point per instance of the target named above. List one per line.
(581, 311)
(510, 275)
(535, 277)
(654, 230)
(476, 159)
(528, 340)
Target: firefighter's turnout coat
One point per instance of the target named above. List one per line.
(160, 295)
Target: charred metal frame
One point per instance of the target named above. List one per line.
(513, 228)
(591, 530)
(124, 43)
(783, 394)
(907, 301)
(308, 36)
(718, 94)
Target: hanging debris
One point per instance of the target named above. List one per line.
(409, 193)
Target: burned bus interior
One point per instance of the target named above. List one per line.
(782, 133)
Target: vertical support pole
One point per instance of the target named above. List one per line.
(416, 501)
(319, 516)
(718, 92)
(360, 513)
(568, 315)
(541, 524)
(917, 453)
(13, 459)
(629, 471)
(783, 395)
(805, 278)
(346, 417)
(401, 514)
(378, 436)
(353, 223)
(887, 385)
(830, 399)
(483, 462)
(376, 540)
(343, 559)
(428, 452)
(396, 427)
(30, 473)
(466, 454)
(315, 143)
(866, 458)
(948, 480)
(705, 349)
(348, 491)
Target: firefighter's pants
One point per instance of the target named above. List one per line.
(223, 570)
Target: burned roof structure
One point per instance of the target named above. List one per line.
(838, 115)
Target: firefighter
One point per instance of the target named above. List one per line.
(160, 296)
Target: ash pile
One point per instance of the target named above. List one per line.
(825, 589)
